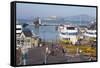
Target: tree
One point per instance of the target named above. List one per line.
(24, 25)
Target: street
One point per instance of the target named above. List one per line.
(37, 56)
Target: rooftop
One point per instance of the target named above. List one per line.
(27, 33)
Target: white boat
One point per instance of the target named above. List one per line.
(18, 28)
(68, 33)
(90, 33)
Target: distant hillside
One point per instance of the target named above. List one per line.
(82, 17)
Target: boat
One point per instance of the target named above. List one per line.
(91, 31)
(90, 34)
(18, 28)
(68, 33)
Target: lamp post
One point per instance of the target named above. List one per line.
(46, 53)
(24, 52)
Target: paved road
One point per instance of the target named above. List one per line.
(37, 56)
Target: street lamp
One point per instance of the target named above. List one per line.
(24, 52)
(46, 54)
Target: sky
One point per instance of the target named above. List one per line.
(28, 11)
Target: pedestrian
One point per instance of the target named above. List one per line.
(63, 51)
(52, 52)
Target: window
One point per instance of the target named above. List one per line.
(92, 33)
(63, 33)
(67, 33)
(18, 42)
(66, 38)
(22, 42)
(71, 28)
(18, 28)
(75, 33)
(28, 40)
